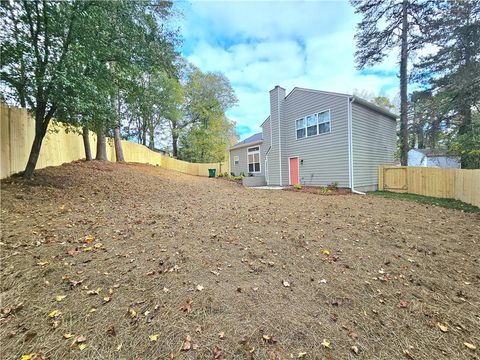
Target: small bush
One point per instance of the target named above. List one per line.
(220, 175)
(242, 174)
(232, 174)
(324, 190)
(333, 185)
(225, 174)
(250, 174)
(297, 186)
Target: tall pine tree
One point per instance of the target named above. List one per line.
(388, 25)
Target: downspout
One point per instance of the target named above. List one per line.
(350, 149)
(279, 138)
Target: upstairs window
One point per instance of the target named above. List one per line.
(312, 125)
(253, 160)
(301, 131)
(324, 122)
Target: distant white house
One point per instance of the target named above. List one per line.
(433, 158)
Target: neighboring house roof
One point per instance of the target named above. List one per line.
(356, 98)
(252, 140)
(433, 152)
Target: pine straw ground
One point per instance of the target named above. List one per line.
(396, 270)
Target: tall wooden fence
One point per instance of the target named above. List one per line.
(62, 145)
(460, 184)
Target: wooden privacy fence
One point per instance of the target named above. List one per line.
(61, 145)
(460, 184)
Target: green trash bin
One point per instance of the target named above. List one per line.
(212, 172)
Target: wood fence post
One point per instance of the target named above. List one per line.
(380, 178)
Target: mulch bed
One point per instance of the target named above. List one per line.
(109, 261)
(320, 190)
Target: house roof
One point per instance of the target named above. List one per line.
(254, 139)
(433, 152)
(356, 99)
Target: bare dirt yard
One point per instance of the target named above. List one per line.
(127, 261)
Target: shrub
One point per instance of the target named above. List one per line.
(333, 185)
(225, 174)
(232, 174)
(297, 186)
(324, 190)
(242, 174)
(220, 175)
(250, 174)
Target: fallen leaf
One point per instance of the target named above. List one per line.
(353, 335)
(132, 313)
(119, 347)
(94, 292)
(325, 343)
(301, 355)
(198, 330)
(153, 337)
(355, 349)
(403, 304)
(88, 239)
(60, 297)
(221, 335)
(27, 357)
(88, 248)
(326, 252)
(67, 336)
(80, 339)
(106, 299)
(54, 314)
(187, 307)
(218, 353)
(82, 346)
(72, 252)
(470, 346)
(285, 283)
(43, 263)
(442, 327)
(199, 288)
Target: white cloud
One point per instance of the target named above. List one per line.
(258, 45)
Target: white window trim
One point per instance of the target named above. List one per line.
(236, 160)
(259, 160)
(305, 119)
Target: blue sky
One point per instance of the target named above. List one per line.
(260, 44)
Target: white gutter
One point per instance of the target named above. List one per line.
(279, 137)
(350, 148)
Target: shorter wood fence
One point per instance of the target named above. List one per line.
(460, 184)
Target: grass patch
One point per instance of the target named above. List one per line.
(446, 203)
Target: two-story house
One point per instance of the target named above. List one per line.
(317, 138)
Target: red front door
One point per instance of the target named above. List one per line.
(294, 171)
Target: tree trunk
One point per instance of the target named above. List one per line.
(86, 144)
(175, 146)
(34, 153)
(118, 144)
(41, 126)
(151, 142)
(101, 146)
(403, 88)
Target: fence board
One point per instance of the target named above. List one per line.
(460, 184)
(61, 146)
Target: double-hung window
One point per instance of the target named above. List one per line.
(236, 160)
(253, 160)
(312, 125)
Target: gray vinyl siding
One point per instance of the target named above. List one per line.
(277, 97)
(242, 160)
(373, 143)
(325, 156)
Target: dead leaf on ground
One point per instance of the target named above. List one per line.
(285, 283)
(221, 335)
(188, 344)
(442, 327)
(55, 313)
(153, 337)
(403, 304)
(470, 346)
(60, 297)
(218, 353)
(187, 307)
(325, 343)
(88, 239)
(199, 287)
